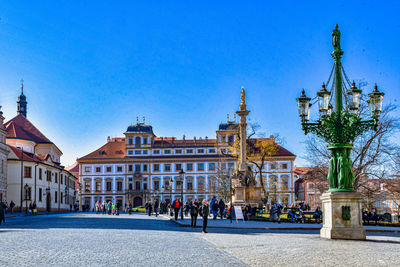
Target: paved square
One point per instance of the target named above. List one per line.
(140, 240)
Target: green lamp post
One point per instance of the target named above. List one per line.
(339, 126)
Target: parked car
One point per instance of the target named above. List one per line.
(139, 209)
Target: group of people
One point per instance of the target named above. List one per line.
(109, 207)
(369, 216)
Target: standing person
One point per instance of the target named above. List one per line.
(205, 210)
(194, 211)
(118, 207)
(156, 204)
(130, 208)
(109, 207)
(2, 212)
(149, 207)
(214, 208)
(176, 206)
(221, 208)
(97, 207)
(113, 208)
(12, 205)
(30, 212)
(34, 208)
(278, 212)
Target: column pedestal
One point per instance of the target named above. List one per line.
(342, 216)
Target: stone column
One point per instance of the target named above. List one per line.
(243, 112)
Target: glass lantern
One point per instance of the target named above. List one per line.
(354, 98)
(323, 100)
(375, 102)
(330, 110)
(304, 106)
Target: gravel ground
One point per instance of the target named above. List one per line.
(139, 240)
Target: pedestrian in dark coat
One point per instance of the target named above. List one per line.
(156, 204)
(221, 207)
(194, 211)
(150, 208)
(205, 211)
(2, 212)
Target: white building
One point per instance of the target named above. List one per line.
(3, 159)
(34, 173)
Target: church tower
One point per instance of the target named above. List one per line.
(22, 103)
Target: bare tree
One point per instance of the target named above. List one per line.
(373, 154)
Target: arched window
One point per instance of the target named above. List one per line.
(137, 141)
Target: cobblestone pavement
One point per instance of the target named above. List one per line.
(140, 240)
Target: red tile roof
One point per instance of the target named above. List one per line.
(73, 168)
(113, 149)
(21, 128)
(26, 156)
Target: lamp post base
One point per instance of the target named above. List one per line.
(342, 217)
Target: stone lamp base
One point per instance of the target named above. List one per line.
(342, 216)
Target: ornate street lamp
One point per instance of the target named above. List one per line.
(338, 125)
(182, 175)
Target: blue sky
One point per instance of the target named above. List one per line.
(91, 67)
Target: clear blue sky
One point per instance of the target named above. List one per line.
(91, 67)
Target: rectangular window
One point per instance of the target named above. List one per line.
(145, 152)
(119, 169)
(167, 151)
(61, 179)
(119, 186)
(189, 167)
(145, 167)
(189, 185)
(211, 166)
(167, 167)
(40, 174)
(98, 169)
(211, 150)
(87, 169)
(56, 178)
(61, 197)
(178, 151)
(130, 141)
(156, 167)
(386, 204)
(98, 186)
(189, 151)
(130, 168)
(178, 166)
(108, 169)
(200, 166)
(138, 152)
(40, 194)
(272, 166)
(231, 165)
(145, 141)
(55, 196)
(378, 204)
(27, 172)
(108, 186)
(87, 186)
(130, 152)
(48, 176)
(284, 166)
(200, 151)
(137, 168)
(156, 152)
(156, 185)
(144, 186)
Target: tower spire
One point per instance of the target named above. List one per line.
(22, 103)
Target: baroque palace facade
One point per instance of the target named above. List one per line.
(140, 167)
(34, 172)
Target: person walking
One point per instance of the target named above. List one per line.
(109, 207)
(113, 208)
(205, 211)
(278, 212)
(194, 212)
(221, 205)
(34, 208)
(156, 204)
(176, 206)
(130, 208)
(12, 205)
(118, 206)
